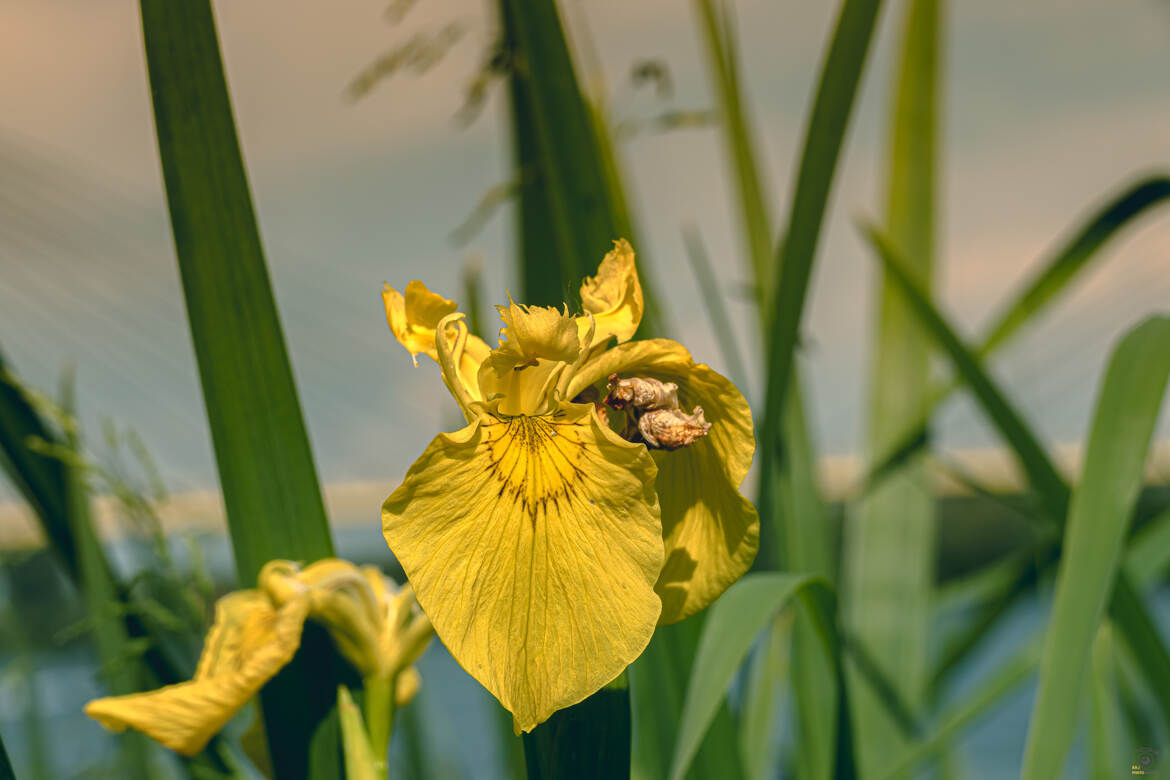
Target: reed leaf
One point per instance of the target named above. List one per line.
(831, 110)
(1008, 677)
(1099, 516)
(735, 620)
(6, 771)
(1055, 275)
(39, 477)
(266, 470)
(568, 217)
(889, 555)
(1126, 608)
(658, 681)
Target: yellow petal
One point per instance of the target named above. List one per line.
(711, 530)
(532, 332)
(614, 296)
(533, 544)
(413, 319)
(248, 644)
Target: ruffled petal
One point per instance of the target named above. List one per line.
(533, 545)
(414, 319)
(613, 297)
(711, 531)
(248, 644)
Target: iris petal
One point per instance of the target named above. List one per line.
(613, 296)
(533, 544)
(711, 531)
(414, 319)
(248, 644)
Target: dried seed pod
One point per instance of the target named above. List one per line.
(669, 429)
(641, 394)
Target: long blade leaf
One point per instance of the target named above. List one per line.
(1099, 517)
(1056, 275)
(1126, 608)
(39, 477)
(6, 771)
(735, 620)
(266, 470)
(832, 108)
(890, 539)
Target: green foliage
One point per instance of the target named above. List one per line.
(568, 215)
(889, 553)
(6, 772)
(733, 624)
(1099, 516)
(266, 469)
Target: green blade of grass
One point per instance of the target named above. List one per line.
(1073, 257)
(744, 610)
(950, 724)
(1147, 560)
(717, 315)
(722, 71)
(764, 686)
(6, 772)
(40, 478)
(889, 556)
(1129, 613)
(1105, 753)
(266, 470)
(799, 535)
(566, 202)
(1099, 516)
(824, 137)
(657, 683)
(1056, 275)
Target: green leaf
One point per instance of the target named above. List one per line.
(1073, 257)
(722, 71)
(1147, 559)
(1129, 613)
(1105, 752)
(1099, 516)
(832, 107)
(39, 477)
(768, 672)
(739, 615)
(950, 724)
(1055, 276)
(359, 757)
(717, 315)
(568, 217)
(6, 772)
(587, 740)
(799, 537)
(889, 554)
(658, 682)
(269, 481)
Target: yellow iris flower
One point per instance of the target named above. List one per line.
(548, 538)
(375, 625)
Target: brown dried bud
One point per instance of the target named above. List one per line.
(641, 394)
(669, 429)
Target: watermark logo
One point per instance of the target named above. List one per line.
(1145, 762)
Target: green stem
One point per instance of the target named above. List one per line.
(590, 739)
(379, 707)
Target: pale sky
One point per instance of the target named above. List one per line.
(1049, 107)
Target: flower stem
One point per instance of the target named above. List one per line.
(379, 706)
(587, 740)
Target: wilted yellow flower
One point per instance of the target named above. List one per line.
(548, 538)
(256, 632)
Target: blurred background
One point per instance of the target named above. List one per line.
(1046, 108)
